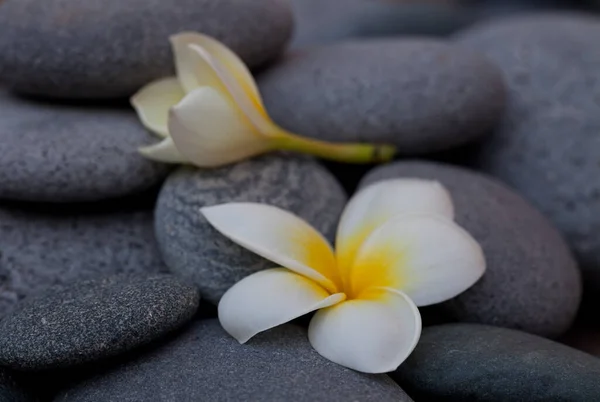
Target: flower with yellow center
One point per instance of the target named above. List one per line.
(397, 248)
(212, 114)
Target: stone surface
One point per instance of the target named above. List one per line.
(325, 21)
(548, 146)
(206, 364)
(467, 362)
(532, 282)
(92, 320)
(10, 391)
(42, 247)
(61, 153)
(74, 49)
(423, 95)
(195, 250)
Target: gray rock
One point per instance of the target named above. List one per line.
(206, 364)
(532, 282)
(59, 153)
(326, 21)
(423, 95)
(74, 49)
(467, 362)
(548, 146)
(195, 250)
(92, 320)
(10, 391)
(45, 247)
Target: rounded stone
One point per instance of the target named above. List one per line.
(61, 153)
(92, 320)
(468, 362)
(42, 246)
(423, 95)
(531, 282)
(548, 146)
(108, 49)
(206, 364)
(192, 248)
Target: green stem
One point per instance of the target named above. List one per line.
(340, 152)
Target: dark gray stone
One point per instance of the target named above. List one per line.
(467, 362)
(74, 49)
(59, 153)
(548, 146)
(423, 95)
(41, 248)
(206, 364)
(195, 250)
(326, 21)
(532, 282)
(92, 320)
(10, 391)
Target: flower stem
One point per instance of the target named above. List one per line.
(340, 152)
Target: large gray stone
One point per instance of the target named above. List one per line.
(43, 247)
(548, 146)
(532, 282)
(422, 95)
(467, 362)
(60, 153)
(90, 49)
(206, 364)
(195, 250)
(92, 320)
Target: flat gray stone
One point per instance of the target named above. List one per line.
(61, 153)
(206, 364)
(532, 282)
(467, 362)
(43, 247)
(423, 95)
(74, 49)
(195, 250)
(92, 320)
(548, 146)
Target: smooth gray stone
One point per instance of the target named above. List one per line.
(206, 364)
(423, 95)
(192, 248)
(61, 153)
(468, 362)
(548, 146)
(40, 247)
(532, 282)
(92, 320)
(108, 49)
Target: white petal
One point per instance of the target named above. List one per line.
(270, 298)
(429, 258)
(209, 132)
(278, 236)
(373, 335)
(153, 102)
(164, 151)
(379, 202)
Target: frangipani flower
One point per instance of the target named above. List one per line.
(212, 114)
(397, 248)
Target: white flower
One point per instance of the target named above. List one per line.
(212, 114)
(397, 248)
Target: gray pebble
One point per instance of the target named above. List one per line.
(468, 362)
(108, 49)
(548, 146)
(45, 247)
(60, 153)
(422, 95)
(532, 282)
(96, 319)
(195, 250)
(206, 364)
